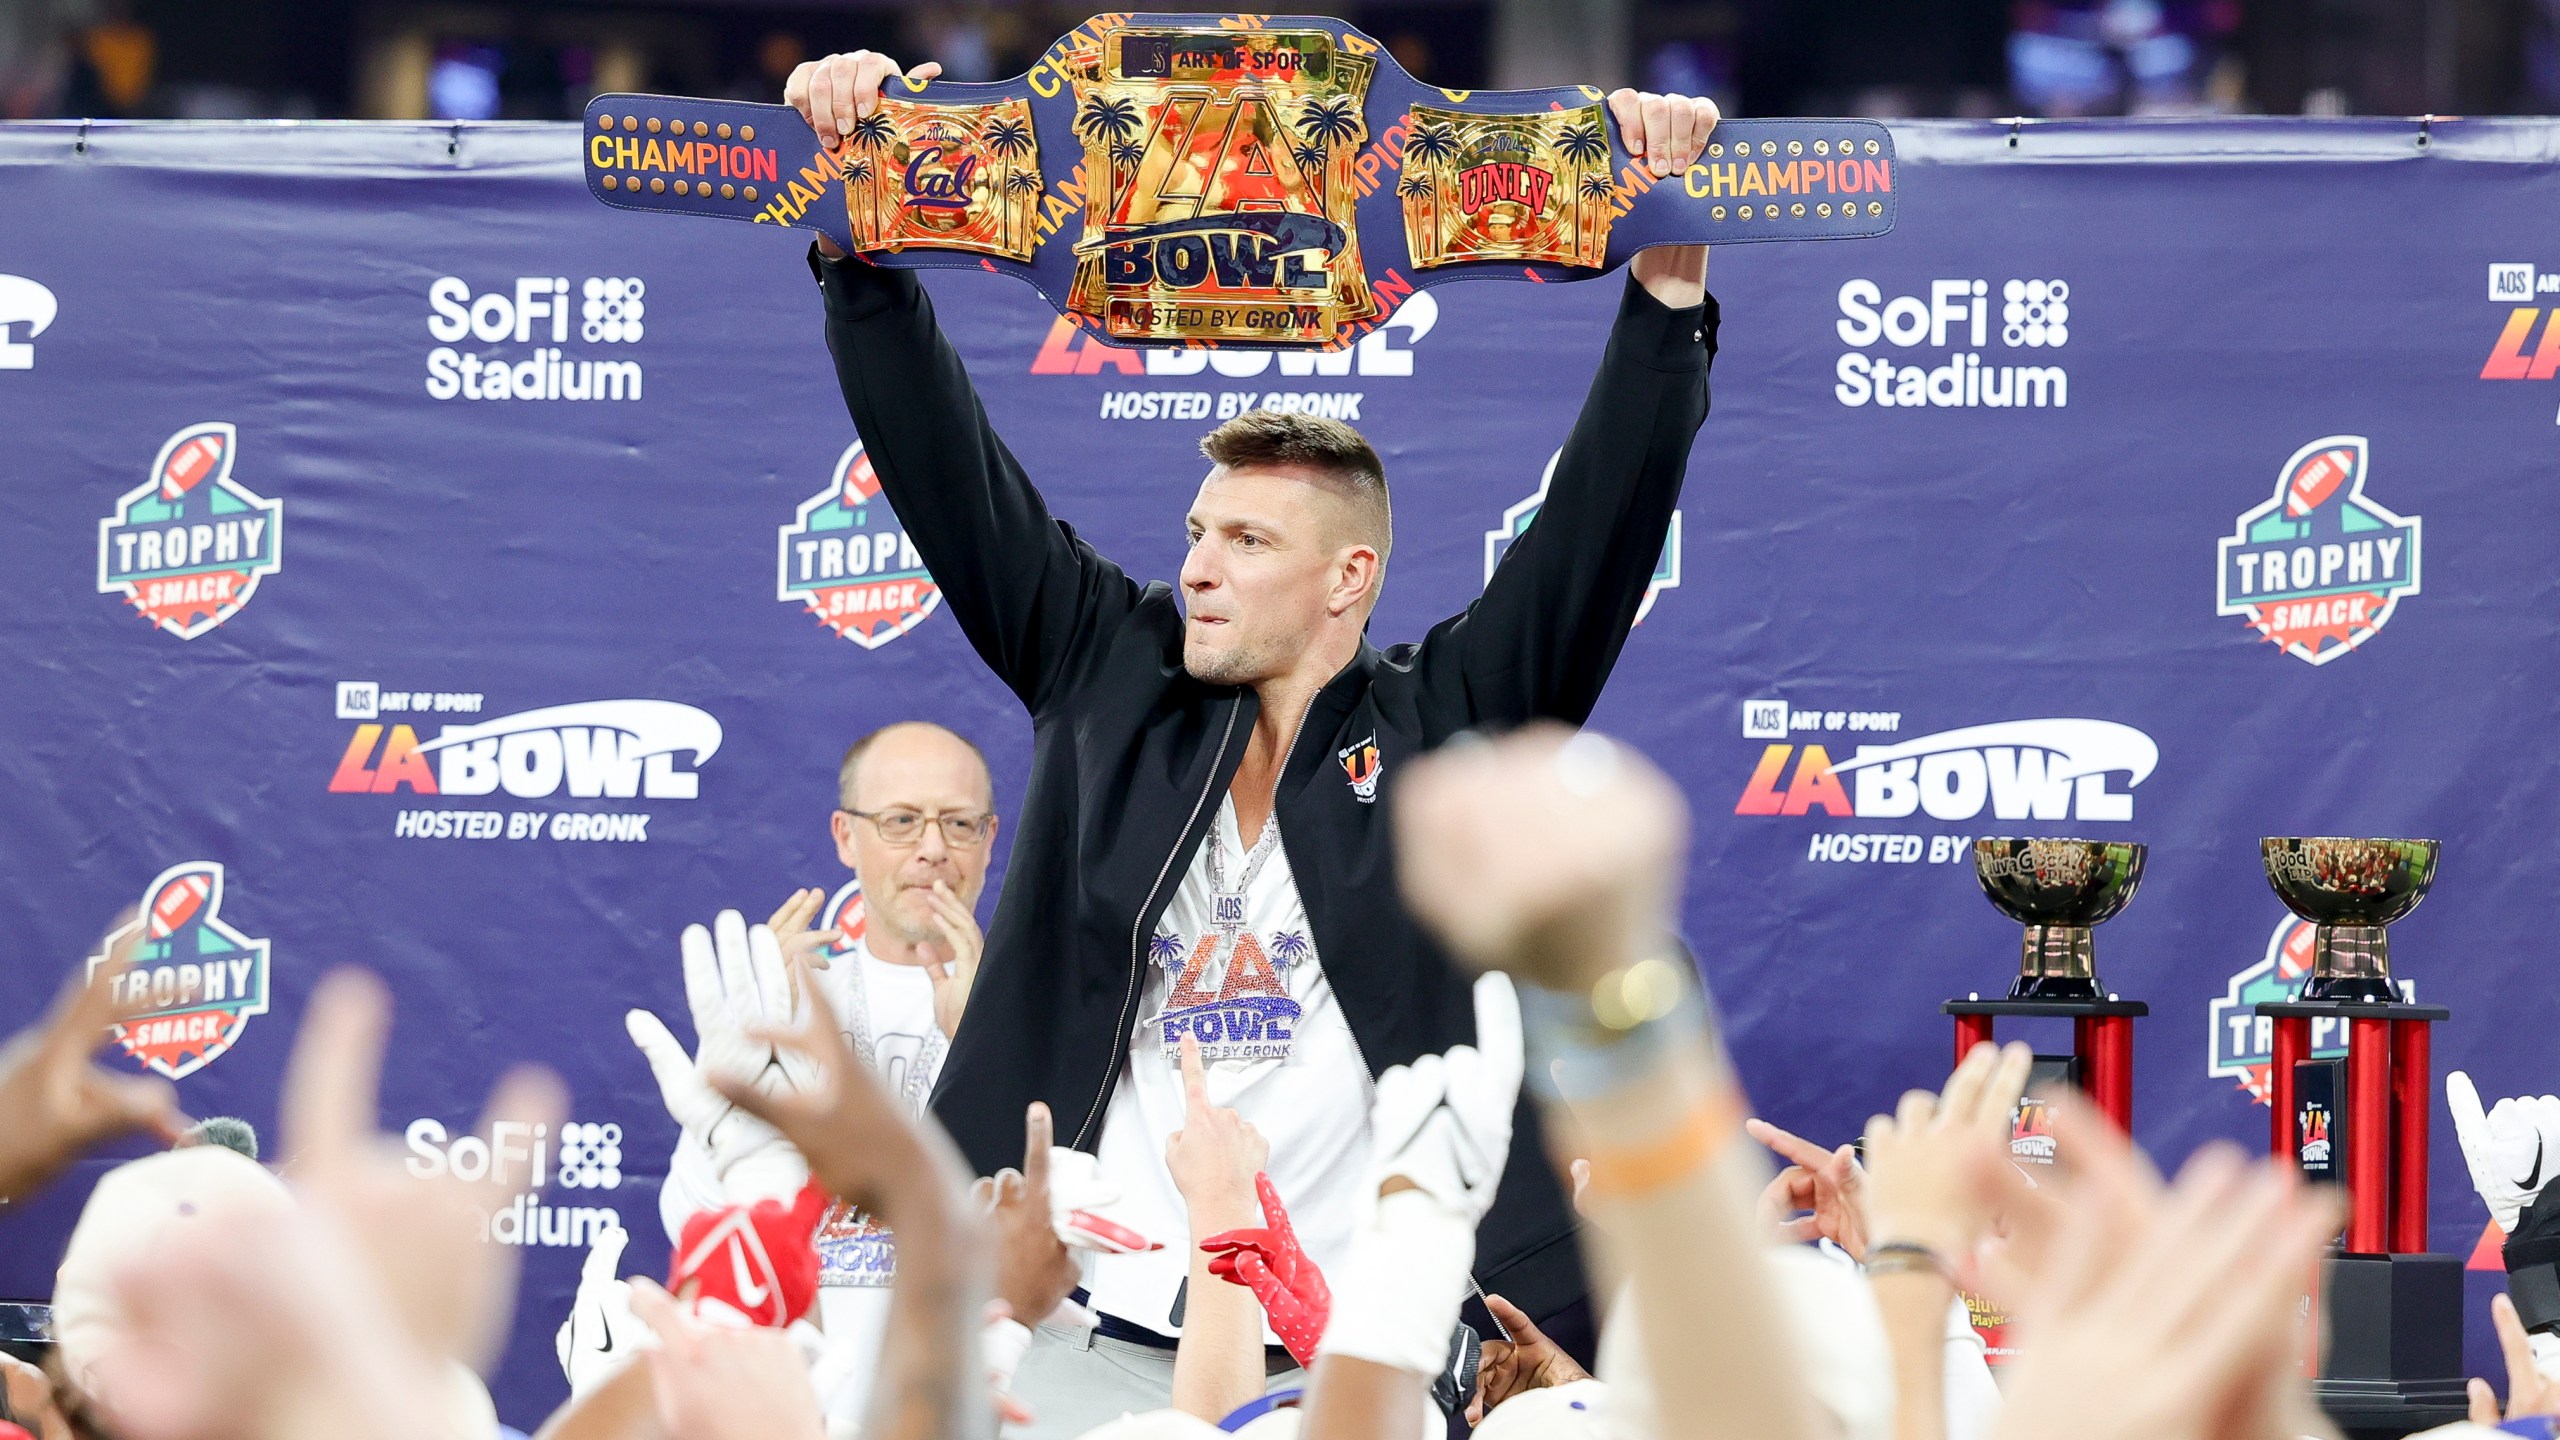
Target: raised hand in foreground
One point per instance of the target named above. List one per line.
(738, 987)
(865, 1149)
(1556, 857)
(725, 1382)
(54, 1103)
(2167, 1313)
(346, 1313)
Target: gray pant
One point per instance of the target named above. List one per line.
(1074, 1380)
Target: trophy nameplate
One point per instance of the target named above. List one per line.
(1240, 180)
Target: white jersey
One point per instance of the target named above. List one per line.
(1235, 968)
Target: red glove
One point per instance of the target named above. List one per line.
(758, 1260)
(1270, 1263)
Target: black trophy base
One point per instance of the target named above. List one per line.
(2395, 1344)
(2055, 987)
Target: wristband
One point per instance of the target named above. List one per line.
(1904, 1257)
(1624, 1172)
(1584, 1044)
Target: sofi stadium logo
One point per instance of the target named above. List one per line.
(849, 562)
(1935, 350)
(194, 981)
(2318, 569)
(514, 340)
(188, 545)
(583, 1155)
(2055, 769)
(1515, 523)
(592, 750)
(2242, 1044)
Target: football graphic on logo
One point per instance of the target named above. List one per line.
(191, 463)
(2316, 480)
(860, 484)
(178, 902)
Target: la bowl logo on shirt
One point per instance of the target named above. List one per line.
(2242, 1045)
(195, 981)
(2319, 569)
(850, 562)
(186, 547)
(1249, 1016)
(846, 915)
(1515, 523)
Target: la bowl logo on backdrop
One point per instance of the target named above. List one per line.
(26, 311)
(2517, 285)
(2056, 769)
(591, 750)
(2319, 569)
(187, 546)
(1515, 523)
(848, 560)
(194, 981)
(2242, 1045)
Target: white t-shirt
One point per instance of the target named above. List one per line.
(1277, 1052)
(887, 1013)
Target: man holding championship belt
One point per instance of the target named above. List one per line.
(1205, 849)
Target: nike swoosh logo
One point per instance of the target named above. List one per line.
(1461, 1152)
(748, 1290)
(2533, 1178)
(607, 1327)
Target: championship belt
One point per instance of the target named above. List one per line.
(1240, 180)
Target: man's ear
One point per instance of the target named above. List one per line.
(1357, 576)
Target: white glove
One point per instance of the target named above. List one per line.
(2512, 1151)
(734, 981)
(1085, 1208)
(1444, 1121)
(601, 1334)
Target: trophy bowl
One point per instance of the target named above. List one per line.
(2350, 890)
(2058, 890)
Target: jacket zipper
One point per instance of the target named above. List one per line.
(1137, 953)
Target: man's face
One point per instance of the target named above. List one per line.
(1263, 573)
(915, 771)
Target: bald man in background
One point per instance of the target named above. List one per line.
(915, 821)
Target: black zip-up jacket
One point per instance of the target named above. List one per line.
(1130, 755)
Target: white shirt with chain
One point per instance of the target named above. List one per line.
(1232, 964)
(886, 1010)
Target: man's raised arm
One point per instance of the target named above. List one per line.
(1025, 589)
(1541, 640)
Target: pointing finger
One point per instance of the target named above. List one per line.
(1195, 1080)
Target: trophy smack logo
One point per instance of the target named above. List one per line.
(195, 979)
(848, 560)
(2241, 1045)
(1515, 523)
(187, 546)
(2318, 569)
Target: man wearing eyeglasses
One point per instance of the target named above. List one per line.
(915, 821)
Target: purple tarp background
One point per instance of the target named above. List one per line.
(2234, 292)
